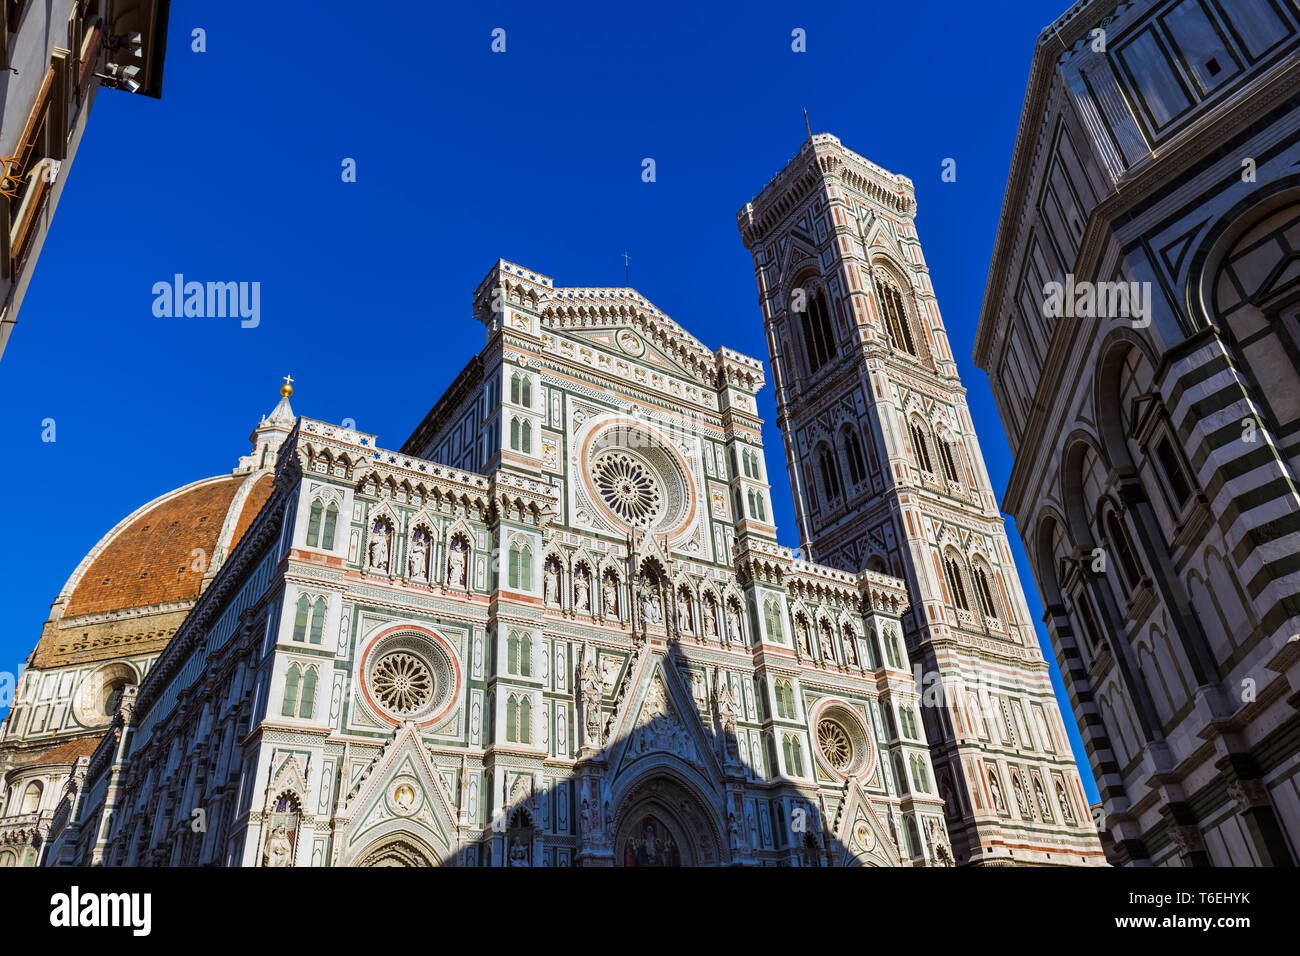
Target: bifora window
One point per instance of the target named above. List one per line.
(818, 336)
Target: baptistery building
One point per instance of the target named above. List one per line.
(1141, 331)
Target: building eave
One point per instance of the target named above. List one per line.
(1055, 39)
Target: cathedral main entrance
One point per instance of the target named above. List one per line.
(662, 823)
(651, 842)
(397, 852)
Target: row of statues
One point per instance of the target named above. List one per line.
(826, 643)
(379, 550)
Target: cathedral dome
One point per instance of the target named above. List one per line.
(160, 554)
(153, 564)
(129, 594)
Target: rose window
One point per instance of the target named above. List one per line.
(402, 682)
(835, 744)
(843, 741)
(628, 488)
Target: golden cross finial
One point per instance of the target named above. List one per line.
(287, 388)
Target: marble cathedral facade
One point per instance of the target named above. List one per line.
(555, 627)
(1154, 414)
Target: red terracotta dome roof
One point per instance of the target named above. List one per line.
(67, 752)
(151, 560)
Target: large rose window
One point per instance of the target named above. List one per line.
(637, 477)
(409, 674)
(835, 744)
(402, 682)
(628, 487)
(843, 742)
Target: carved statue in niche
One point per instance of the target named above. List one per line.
(518, 855)
(710, 619)
(684, 612)
(1042, 799)
(609, 597)
(379, 540)
(996, 790)
(651, 607)
(552, 587)
(733, 625)
(850, 649)
(736, 833)
(581, 591)
(456, 564)
(726, 703)
(591, 693)
(279, 851)
(805, 643)
(1019, 790)
(1065, 803)
(828, 652)
(417, 562)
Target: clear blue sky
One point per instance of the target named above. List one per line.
(463, 156)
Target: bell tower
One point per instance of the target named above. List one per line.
(887, 474)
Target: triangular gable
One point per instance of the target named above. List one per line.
(402, 791)
(661, 717)
(863, 836)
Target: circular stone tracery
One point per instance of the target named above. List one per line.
(410, 674)
(402, 682)
(835, 744)
(637, 476)
(843, 741)
(628, 487)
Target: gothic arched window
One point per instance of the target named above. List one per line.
(921, 447)
(301, 618)
(331, 521)
(521, 567)
(307, 696)
(891, 650)
(818, 337)
(947, 460)
(317, 621)
(519, 720)
(292, 685)
(772, 618)
(313, 524)
(956, 585)
(898, 326)
(830, 472)
(984, 593)
(853, 454)
(521, 390)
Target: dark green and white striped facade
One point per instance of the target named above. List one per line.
(1156, 448)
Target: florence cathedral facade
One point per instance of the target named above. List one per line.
(555, 627)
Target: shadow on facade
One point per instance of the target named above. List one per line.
(667, 788)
